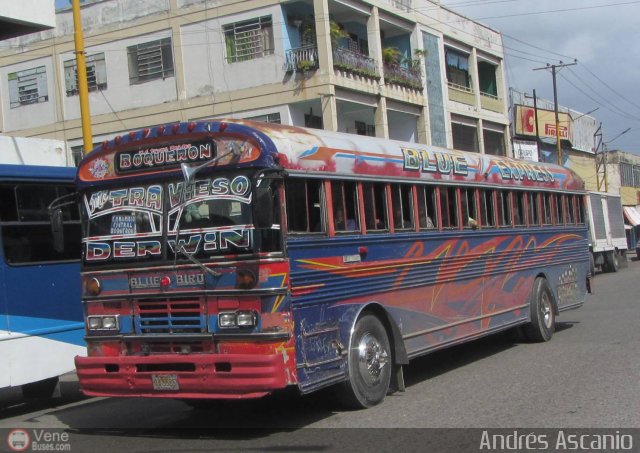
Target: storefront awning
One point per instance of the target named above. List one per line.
(632, 215)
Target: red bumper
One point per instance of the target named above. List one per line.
(196, 376)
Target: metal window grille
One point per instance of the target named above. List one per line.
(626, 174)
(268, 118)
(28, 86)
(96, 74)
(151, 60)
(249, 40)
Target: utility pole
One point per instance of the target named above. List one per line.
(601, 160)
(554, 68)
(535, 113)
(81, 70)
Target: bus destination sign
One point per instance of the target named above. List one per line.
(159, 157)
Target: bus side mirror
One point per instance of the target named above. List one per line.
(262, 207)
(57, 230)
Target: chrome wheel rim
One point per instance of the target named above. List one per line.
(372, 358)
(546, 310)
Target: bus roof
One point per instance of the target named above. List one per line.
(312, 152)
(11, 171)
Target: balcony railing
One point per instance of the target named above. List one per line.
(355, 63)
(406, 77)
(301, 59)
(404, 5)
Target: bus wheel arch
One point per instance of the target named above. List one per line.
(543, 311)
(374, 359)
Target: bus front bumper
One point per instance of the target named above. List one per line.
(224, 376)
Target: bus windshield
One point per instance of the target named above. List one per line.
(208, 218)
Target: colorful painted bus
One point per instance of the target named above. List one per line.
(41, 319)
(230, 259)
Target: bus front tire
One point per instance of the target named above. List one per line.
(370, 365)
(543, 319)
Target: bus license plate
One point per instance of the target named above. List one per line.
(165, 382)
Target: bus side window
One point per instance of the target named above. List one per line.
(469, 208)
(402, 201)
(581, 213)
(304, 213)
(427, 212)
(26, 233)
(345, 205)
(546, 209)
(558, 209)
(448, 207)
(519, 211)
(571, 213)
(375, 206)
(504, 208)
(534, 209)
(487, 211)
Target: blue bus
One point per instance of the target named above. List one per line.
(230, 259)
(41, 324)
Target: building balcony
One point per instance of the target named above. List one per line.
(491, 102)
(462, 94)
(405, 77)
(301, 59)
(355, 63)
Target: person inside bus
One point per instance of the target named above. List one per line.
(341, 225)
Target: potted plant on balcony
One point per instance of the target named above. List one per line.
(305, 65)
(337, 33)
(391, 55)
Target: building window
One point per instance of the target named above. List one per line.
(96, 74)
(458, 69)
(487, 79)
(28, 87)
(249, 39)
(494, 143)
(465, 135)
(150, 60)
(268, 118)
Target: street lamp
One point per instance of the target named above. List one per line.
(620, 134)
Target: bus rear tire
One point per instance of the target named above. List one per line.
(613, 263)
(370, 365)
(543, 318)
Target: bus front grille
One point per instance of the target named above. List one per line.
(170, 316)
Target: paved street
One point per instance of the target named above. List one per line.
(586, 377)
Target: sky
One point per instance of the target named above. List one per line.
(602, 35)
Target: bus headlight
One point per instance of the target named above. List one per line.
(103, 322)
(237, 319)
(246, 319)
(227, 319)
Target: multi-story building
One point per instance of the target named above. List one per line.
(537, 139)
(623, 177)
(403, 69)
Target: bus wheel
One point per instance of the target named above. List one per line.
(370, 365)
(613, 264)
(543, 319)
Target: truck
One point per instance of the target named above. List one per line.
(607, 238)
